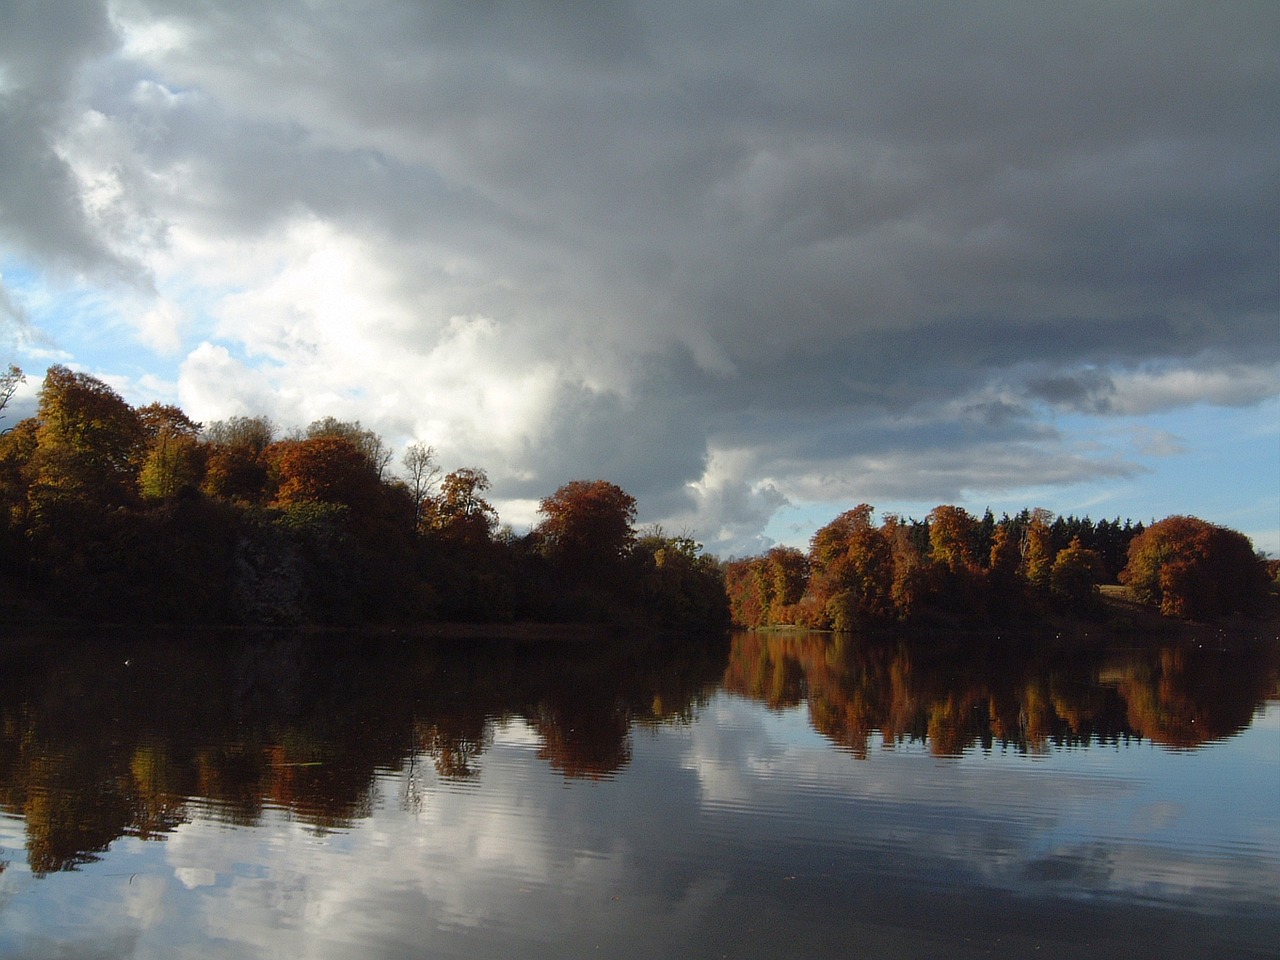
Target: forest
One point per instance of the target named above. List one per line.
(119, 514)
(122, 514)
(952, 568)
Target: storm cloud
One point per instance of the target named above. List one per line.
(729, 256)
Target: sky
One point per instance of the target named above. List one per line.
(754, 262)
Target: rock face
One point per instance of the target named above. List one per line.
(270, 586)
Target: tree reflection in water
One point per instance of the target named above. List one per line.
(133, 736)
(986, 691)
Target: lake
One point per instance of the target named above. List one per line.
(779, 795)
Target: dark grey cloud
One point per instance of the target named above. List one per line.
(757, 243)
(1088, 390)
(42, 48)
(651, 442)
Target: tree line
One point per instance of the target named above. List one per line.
(129, 514)
(952, 567)
(120, 513)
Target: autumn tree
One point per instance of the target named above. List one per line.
(910, 577)
(88, 439)
(587, 523)
(1076, 572)
(1006, 554)
(957, 579)
(1190, 568)
(235, 469)
(1037, 549)
(786, 572)
(174, 463)
(745, 584)
(768, 590)
(17, 447)
(327, 469)
(1003, 575)
(851, 563)
(953, 533)
(465, 572)
(343, 530)
(173, 457)
(367, 442)
(459, 514)
(156, 419)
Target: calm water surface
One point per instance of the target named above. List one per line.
(782, 796)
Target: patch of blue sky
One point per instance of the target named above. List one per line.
(94, 328)
(75, 322)
(16, 272)
(1218, 463)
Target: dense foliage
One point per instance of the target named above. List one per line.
(132, 514)
(957, 568)
(122, 514)
(1193, 569)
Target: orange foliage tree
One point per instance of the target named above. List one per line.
(745, 587)
(1037, 549)
(787, 573)
(852, 571)
(1191, 568)
(765, 591)
(587, 523)
(325, 469)
(953, 533)
(909, 571)
(88, 439)
(234, 467)
(459, 514)
(1076, 572)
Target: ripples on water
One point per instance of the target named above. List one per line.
(787, 796)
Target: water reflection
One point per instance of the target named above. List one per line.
(133, 736)
(122, 736)
(989, 692)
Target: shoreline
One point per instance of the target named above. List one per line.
(1117, 618)
(1122, 619)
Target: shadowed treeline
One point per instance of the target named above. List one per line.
(116, 514)
(134, 736)
(111, 513)
(998, 693)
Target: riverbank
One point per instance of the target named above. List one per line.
(35, 632)
(1118, 617)
(1115, 617)
(1122, 613)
